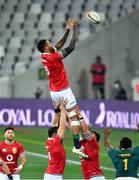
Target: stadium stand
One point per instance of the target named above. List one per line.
(24, 21)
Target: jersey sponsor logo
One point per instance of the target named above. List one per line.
(124, 155)
(4, 150)
(14, 150)
(9, 157)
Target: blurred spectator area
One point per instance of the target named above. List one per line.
(25, 21)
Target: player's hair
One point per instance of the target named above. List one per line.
(8, 128)
(98, 57)
(52, 131)
(125, 143)
(97, 135)
(41, 45)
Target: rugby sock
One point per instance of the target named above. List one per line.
(76, 141)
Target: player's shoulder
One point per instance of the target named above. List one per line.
(18, 144)
(45, 55)
(2, 143)
(112, 152)
(136, 149)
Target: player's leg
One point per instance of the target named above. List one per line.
(75, 128)
(72, 109)
(16, 176)
(55, 100)
(102, 91)
(3, 176)
(95, 90)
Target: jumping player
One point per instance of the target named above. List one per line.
(54, 147)
(126, 159)
(58, 82)
(10, 151)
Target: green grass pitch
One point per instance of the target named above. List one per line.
(34, 139)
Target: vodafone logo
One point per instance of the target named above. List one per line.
(9, 157)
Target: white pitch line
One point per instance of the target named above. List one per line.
(68, 161)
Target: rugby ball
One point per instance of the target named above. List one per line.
(93, 16)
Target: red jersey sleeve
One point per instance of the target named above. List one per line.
(21, 149)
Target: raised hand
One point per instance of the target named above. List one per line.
(76, 21)
(107, 131)
(56, 104)
(63, 103)
(70, 23)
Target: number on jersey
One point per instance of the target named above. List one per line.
(47, 71)
(125, 161)
(49, 156)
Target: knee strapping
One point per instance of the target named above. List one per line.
(75, 123)
(72, 113)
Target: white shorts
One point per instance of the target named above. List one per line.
(52, 177)
(97, 178)
(67, 94)
(5, 177)
(126, 178)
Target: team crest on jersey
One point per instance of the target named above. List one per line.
(4, 150)
(14, 150)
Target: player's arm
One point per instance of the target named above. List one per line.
(70, 48)
(23, 159)
(20, 167)
(55, 122)
(62, 123)
(83, 125)
(107, 143)
(5, 169)
(63, 39)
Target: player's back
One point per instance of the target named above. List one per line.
(126, 161)
(56, 156)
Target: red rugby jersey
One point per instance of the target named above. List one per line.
(10, 154)
(98, 73)
(90, 166)
(55, 71)
(56, 155)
